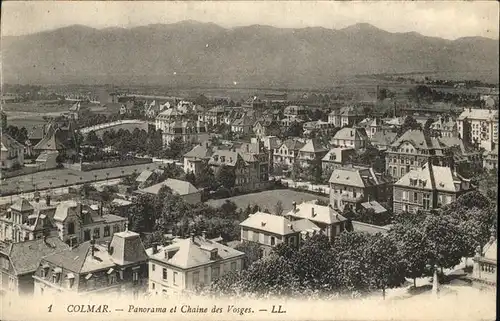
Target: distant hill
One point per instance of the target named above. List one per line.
(205, 54)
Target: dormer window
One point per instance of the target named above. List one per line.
(213, 254)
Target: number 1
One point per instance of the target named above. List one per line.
(50, 308)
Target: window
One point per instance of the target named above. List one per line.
(153, 267)
(71, 228)
(415, 197)
(135, 276)
(233, 266)
(175, 278)
(215, 272)
(97, 233)
(426, 201)
(196, 278)
(116, 229)
(112, 278)
(106, 231)
(255, 237)
(244, 234)
(152, 286)
(273, 240)
(165, 274)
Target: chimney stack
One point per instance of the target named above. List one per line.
(294, 206)
(192, 236)
(155, 248)
(47, 199)
(204, 234)
(92, 243)
(312, 212)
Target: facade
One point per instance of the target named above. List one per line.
(383, 139)
(335, 158)
(351, 138)
(479, 126)
(312, 151)
(287, 153)
(490, 159)
(268, 230)
(188, 263)
(427, 188)
(445, 127)
(345, 116)
(193, 160)
(465, 156)
(326, 218)
(190, 132)
(213, 116)
(117, 267)
(318, 128)
(413, 149)
(372, 126)
(11, 152)
(294, 114)
(353, 185)
(243, 125)
(263, 128)
(19, 261)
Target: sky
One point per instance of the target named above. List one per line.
(445, 19)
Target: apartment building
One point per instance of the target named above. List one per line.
(350, 137)
(335, 158)
(19, 261)
(445, 127)
(11, 152)
(312, 151)
(188, 263)
(191, 132)
(117, 267)
(490, 159)
(294, 114)
(196, 157)
(353, 185)
(268, 230)
(326, 218)
(287, 153)
(345, 116)
(428, 187)
(413, 149)
(479, 126)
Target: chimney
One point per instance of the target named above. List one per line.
(92, 249)
(312, 212)
(204, 234)
(47, 199)
(155, 248)
(294, 206)
(192, 236)
(470, 109)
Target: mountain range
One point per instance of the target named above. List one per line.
(205, 54)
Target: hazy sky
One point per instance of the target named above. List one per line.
(446, 19)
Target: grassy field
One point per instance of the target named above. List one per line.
(61, 177)
(268, 199)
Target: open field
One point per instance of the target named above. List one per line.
(58, 177)
(268, 199)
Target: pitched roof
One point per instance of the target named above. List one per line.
(355, 176)
(419, 140)
(313, 146)
(375, 206)
(368, 228)
(51, 140)
(192, 252)
(243, 121)
(63, 208)
(230, 157)
(275, 224)
(8, 143)
(318, 213)
(22, 205)
(335, 154)
(293, 144)
(177, 186)
(199, 151)
(443, 177)
(144, 176)
(25, 256)
(383, 138)
(127, 248)
(348, 133)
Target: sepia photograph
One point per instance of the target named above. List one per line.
(249, 160)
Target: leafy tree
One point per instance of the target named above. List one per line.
(205, 177)
(93, 140)
(410, 123)
(294, 130)
(226, 176)
(252, 251)
(278, 208)
(413, 249)
(385, 269)
(190, 177)
(370, 157)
